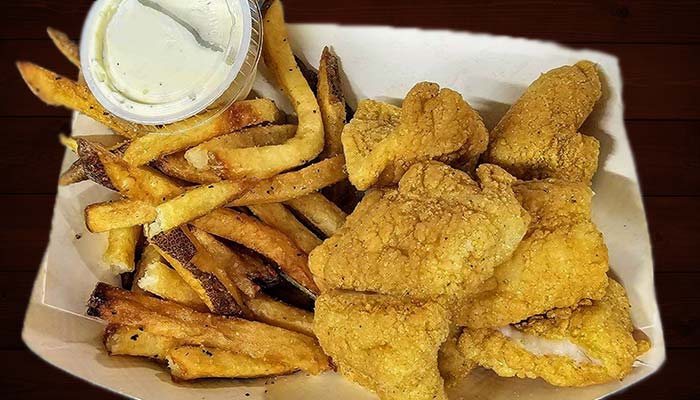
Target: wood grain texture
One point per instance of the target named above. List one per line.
(657, 43)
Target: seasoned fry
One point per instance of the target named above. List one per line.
(121, 249)
(262, 238)
(169, 319)
(74, 174)
(57, 90)
(236, 266)
(199, 270)
(319, 211)
(276, 313)
(294, 184)
(194, 362)
(217, 148)
(277, 216)
(102, 217)
(66, 46)
(131, 341)
(149, 256)
(266, 161)
(69, 142)
(165, 282)
(194, 203)
(331, 101)
(239, 115)
(177, 166)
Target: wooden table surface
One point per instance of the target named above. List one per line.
(657, 42)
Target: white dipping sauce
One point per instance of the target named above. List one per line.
(164, 59)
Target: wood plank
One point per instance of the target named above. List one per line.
(31, 378)
(24, 232)
(648, 77)
(567, 21)
(674, 224)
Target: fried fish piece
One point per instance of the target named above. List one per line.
(595, 344)
(388, 344)
(453, 365)
(382, 141)
(562, 259)
(439, 233)
(538, 137)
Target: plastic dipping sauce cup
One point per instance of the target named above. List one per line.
(155, 62)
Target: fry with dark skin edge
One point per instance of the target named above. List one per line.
(74, 174)
(164, 282)
(277, 216)
(262, 238)
(331, 101)
(169, 319)
(200, 270)
(66, 46)
(149, 256)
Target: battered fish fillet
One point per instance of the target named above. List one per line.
(385, 343)
(440, 233)
(453, 365)
(538, 138)
(382, 141)
(561, 261)
(594, 345)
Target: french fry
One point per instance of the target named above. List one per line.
(266, 161)
(57, 90)
(165, 283)
(294, 184)
(69, 142)
(320, 212)
(149, 256)
(195, 362)
(331, 101)
(277, 216)
(121, 249)
(74, 174)
(131, 341)
(177, 166)
(102, 217)
(169, 319)
(66, 46)
(262, 238)
(234, 264)
(208, 152)
(198, 269)
(194, 203)
(239, 115)
(276, 313)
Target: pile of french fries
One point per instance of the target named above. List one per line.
(212, 211)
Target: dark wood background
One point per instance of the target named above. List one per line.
(658, 43)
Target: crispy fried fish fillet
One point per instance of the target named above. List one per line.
(385, 343)
(453, 365)
(538, 138)
(594, 345)
(562, 259)
(440, 233)
(382, 141)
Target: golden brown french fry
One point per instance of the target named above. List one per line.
(149, 256)
(239, 115)
(121, 249)
(69, 142)
(169, 319)
(276, 313)
(131, 341)
(195, 362)
(200, 271)
(320, 212)
(102, 217)
(294, 184)
(262, 238)
(177, 166)
(193, 204)
(206, 154)
(331, 101)
(277, 216)
(165, 283)
(266, 161)
(66, 46)
(236, 266)
(57, 90)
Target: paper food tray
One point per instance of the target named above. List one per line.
(383, 63)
